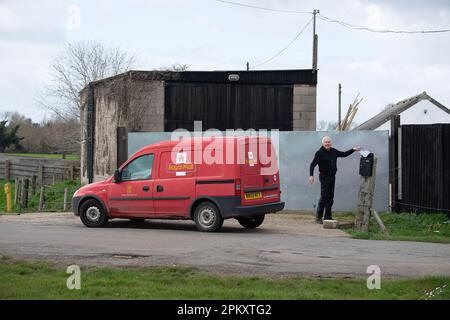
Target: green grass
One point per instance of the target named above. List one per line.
(44, 155)
(38, 280)
(425, 227)
(53, 195)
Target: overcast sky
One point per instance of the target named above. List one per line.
(210, 35)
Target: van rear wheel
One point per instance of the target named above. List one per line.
(252, 222)
(207, 217)
(92, 214)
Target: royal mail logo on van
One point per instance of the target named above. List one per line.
(129, 189)
(180, 167)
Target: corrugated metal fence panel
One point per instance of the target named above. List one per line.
(425, 168)
(295, 152)
(224, 106)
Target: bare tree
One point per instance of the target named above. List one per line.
(175, 67)
(77, 65)
(323, 125)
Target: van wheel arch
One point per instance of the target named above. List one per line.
(83, 200)
(198, 201)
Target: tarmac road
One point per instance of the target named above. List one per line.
(281, 246)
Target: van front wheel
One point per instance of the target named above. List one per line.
(252, 222)
(92, 214)
(207, 217)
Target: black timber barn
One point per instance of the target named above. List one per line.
(158, 101)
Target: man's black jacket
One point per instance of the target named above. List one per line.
(326, 159)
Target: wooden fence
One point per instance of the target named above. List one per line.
(46, 171)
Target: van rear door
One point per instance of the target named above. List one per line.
(260, 181)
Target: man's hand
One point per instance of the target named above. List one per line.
(311, 179)
(356, 148)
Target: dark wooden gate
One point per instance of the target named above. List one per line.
(228, 106)
(425, 168)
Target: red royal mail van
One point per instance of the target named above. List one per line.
(203, 179)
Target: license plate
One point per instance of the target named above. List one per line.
(253, 195)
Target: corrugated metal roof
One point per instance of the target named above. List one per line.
(396, 109)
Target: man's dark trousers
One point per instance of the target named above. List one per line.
(326, 196)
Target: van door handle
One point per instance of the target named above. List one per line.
(159, 188)
(145, 188)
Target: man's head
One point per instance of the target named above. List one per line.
(326, 142)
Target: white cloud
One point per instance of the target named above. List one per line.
(210, 35)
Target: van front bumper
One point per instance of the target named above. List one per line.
(75, 204)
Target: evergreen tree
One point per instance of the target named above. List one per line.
(8, 136)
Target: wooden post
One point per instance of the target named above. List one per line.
(16, 189)
(122, 145)
(24, 195)
(365, 200)
(7, 171)
(65, 199)
(41, 199)
(339, 106)
(394, 162)
(19, 190)
(71, 173)
(33, 185)
(54, 179)
(41, 175)
(380, 222)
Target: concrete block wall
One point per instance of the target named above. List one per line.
(304, 108)
(135, 105)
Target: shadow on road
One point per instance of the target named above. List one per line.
(175, 225)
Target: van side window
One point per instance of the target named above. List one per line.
(138, 169)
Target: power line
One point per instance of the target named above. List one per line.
(288, 45)
(332, 20)
(263, 8)
(364, 28)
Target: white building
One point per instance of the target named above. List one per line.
(420, 109)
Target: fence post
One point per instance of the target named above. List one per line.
(7, 164)
(16, 189)
(24, 196)
(19, 190)
(71, 173)
(365, 200)
(41, 199)
(41, 174)
(65, 199)
(33, 185)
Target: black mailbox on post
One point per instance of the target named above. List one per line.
(366, 165)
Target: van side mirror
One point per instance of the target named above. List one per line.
(117, 176)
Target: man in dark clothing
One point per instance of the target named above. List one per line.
(326, 158)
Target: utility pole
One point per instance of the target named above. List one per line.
(315, 41)
(339, 106)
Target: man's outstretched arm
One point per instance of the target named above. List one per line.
(343, 154)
